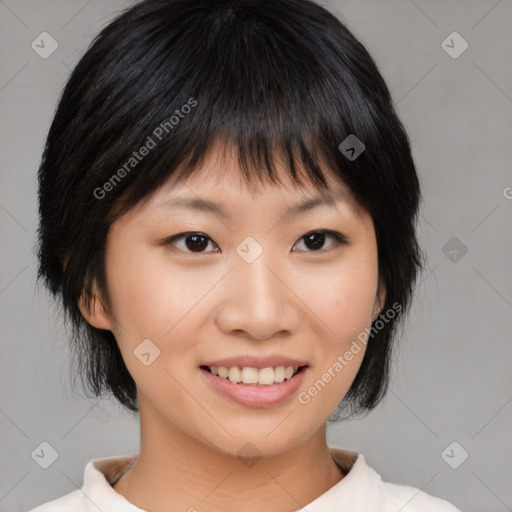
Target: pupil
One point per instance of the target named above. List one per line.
(197, 244)
(321, 238)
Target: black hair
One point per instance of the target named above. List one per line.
(271, 77)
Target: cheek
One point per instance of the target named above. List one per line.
(343, 295)
(152, 298)
(344, 306)
(343, 299)
(353, 300)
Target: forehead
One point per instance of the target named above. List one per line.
(219, 177)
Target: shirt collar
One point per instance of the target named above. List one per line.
(361, 488)
(99, 476)
(350, 493)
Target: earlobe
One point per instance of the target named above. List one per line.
(93, 310)
(380, 299)
(377, 308)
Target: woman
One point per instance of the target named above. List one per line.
(227, 212)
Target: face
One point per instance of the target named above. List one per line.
(188, 287)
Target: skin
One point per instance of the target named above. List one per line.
(204, 304)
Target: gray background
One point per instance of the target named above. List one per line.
(452, 378)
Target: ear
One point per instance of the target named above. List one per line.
(94, 311)
(380, 299)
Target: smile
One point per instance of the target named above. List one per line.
(254, 376)
(254, 394)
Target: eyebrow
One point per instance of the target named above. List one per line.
(209, 206)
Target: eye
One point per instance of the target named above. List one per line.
(197, 242)
(316, 239)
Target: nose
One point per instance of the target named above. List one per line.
(259, 302)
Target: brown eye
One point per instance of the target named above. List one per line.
(197, 242)
(315, 240)
(194, 242)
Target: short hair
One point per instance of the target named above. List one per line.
(271, 77)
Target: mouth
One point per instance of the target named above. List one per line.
(255, 377)
(255, 387)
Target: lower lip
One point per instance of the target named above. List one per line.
(256, 395)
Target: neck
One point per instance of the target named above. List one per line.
(175, 471)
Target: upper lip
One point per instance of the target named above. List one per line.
(256, 362)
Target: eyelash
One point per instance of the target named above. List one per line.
(339, 238)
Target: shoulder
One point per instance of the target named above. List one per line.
(411, 499)
(96, 492)
(71, 501)
(406, 498)
(363, 489)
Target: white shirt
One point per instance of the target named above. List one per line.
(361, 490)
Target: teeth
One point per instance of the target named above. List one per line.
(249, 375)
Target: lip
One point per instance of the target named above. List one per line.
(256, 362)
(252, 395)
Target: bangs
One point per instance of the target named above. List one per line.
(251, 82)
